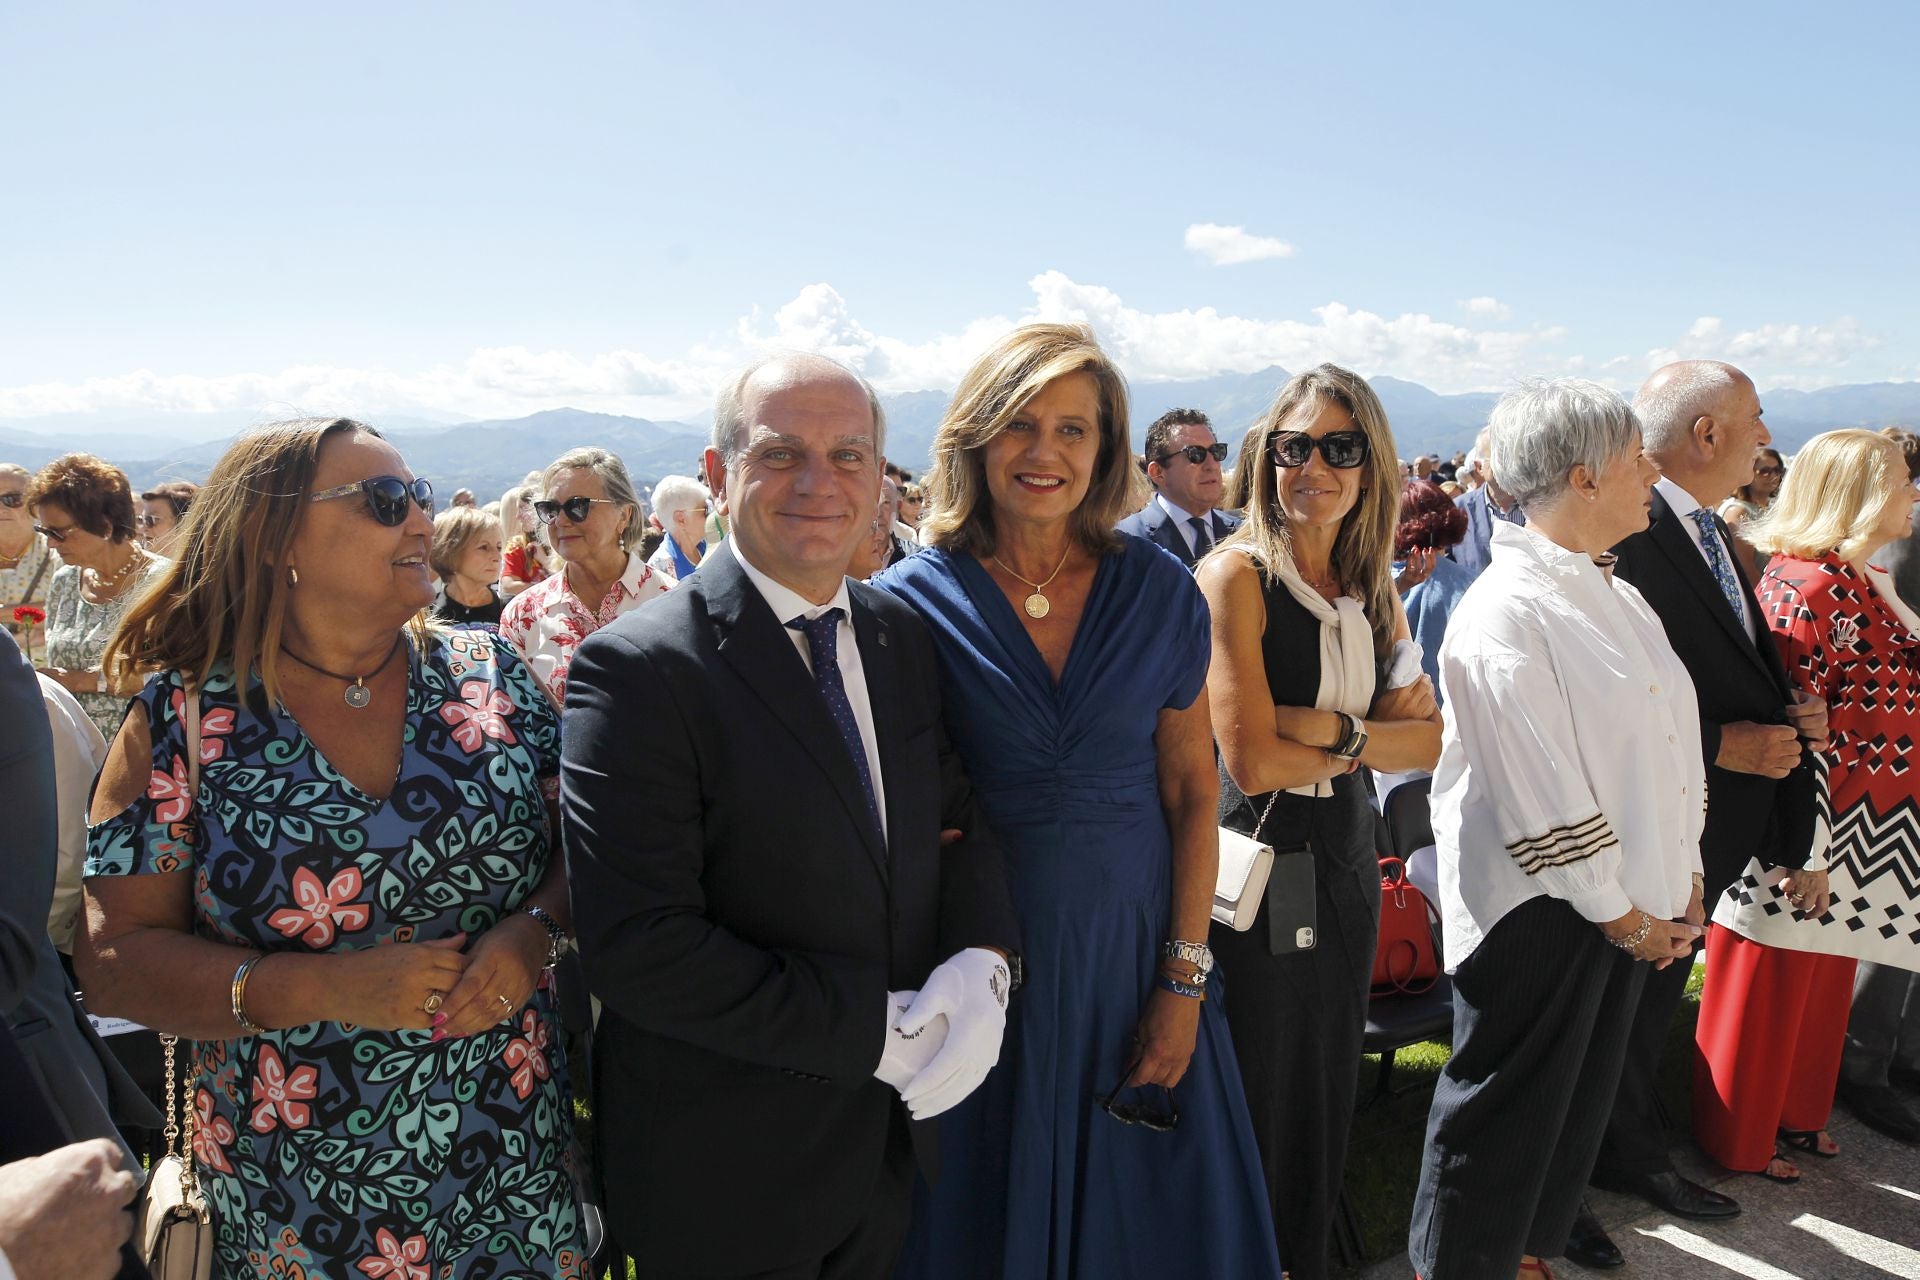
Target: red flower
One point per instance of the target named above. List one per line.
(402, 1261)
(172, 791)
(215, 725)
(321, 909)
(482, 715)
(28, 613)
(528, 1056)
(279, 1098)
(212, 1134)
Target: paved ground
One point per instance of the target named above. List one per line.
(1856, 1217)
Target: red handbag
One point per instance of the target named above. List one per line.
(1405, 962)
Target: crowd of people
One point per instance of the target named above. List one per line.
(333, 788)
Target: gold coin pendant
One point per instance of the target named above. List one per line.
(1036, 606)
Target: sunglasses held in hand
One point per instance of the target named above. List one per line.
(1156, 1113)
(386, 497)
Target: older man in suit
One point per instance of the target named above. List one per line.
(1183, 462)
(1700, 423)
(786, 897)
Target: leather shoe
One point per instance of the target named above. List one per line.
(1588, 1244)
(1879, 1107)
(1905, 1078)
(1677, 1195)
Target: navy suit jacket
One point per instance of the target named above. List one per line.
(743, 922)
(1735, 679)
(1154, 524)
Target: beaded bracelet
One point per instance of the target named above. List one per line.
(1178, 988)
(240, 977)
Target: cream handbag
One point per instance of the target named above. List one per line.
(1245, 864)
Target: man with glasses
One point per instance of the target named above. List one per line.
(1183, 462)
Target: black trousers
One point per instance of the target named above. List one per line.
(1297, 1020)
(1540, 1016)
(1636, 1140)
(1884, 1030)
(871, 1250)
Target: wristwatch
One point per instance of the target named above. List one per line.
(1197, 954)
(556, 936)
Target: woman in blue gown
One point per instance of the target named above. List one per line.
(1074, 662)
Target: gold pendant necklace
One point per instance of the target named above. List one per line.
(1037, 605)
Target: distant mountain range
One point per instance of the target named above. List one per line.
(489, 457)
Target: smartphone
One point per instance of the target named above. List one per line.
(1291, 916)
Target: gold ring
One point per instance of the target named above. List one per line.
(433, 1002)
(506, 1004)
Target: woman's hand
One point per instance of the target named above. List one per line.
(385, 988)
(502, 969)
(1417, 568)
(1665, 942)
(1165, 1039)
(1808, 892)
(1409, 702)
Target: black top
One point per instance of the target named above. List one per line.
(449, 610)
(1340, 826)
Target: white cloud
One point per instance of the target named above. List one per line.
(1777, 355)
(1149, 345)
(1488, 308)
(1230, 246)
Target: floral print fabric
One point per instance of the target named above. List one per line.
(78, 631)
(339, 1151)
(547, 622)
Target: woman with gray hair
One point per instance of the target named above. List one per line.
(680, 508)
(592, 519)
(1567, 809)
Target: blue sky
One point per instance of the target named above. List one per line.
(493, 208)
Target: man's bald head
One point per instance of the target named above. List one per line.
(779, 371)
(1678, 395)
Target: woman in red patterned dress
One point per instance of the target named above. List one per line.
(1783, 946)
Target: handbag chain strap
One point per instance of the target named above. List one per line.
(181, 1118)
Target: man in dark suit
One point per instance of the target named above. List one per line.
(1701, 423)
(1183, 463)
(771, 847)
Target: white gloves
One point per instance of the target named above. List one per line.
(907, 1055)
(969, 992)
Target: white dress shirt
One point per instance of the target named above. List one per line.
(1684, 505)
(1182, 516)
(1570, 761)
(788, 604)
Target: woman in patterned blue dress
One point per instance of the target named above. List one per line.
(351, 914)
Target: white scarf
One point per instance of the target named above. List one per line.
(1346, 655)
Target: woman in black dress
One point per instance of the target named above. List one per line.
(1305, 621)
(466, 555)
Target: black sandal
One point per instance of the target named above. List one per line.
(1766, 1171)
(1808, 1140)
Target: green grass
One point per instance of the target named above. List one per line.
(1383, 1160)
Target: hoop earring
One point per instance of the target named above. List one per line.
(293, 576)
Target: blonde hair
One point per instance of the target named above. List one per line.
(453, 532)
(1834, 498)
(959, 515)
(226, 594)
(613, 479)
(1363, 548)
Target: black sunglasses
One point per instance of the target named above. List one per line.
(1196, 453)
(386, 497)
(51, 535)
(575, 508)
(12, 499)
(1343, 450)
(1160, 1118)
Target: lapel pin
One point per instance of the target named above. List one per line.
(883, 637)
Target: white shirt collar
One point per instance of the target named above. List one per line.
(1682, 502)
(786, 603)
(1181, 514)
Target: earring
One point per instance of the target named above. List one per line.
(293, 576)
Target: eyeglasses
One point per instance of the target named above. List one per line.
(1158, 1118)
(386, 497)
(13, 500)
(574, 509)
(1343, 450)
(1196, 453)
(146, 522)
(1769, 471)
(52, 534)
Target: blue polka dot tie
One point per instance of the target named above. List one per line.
(1718, 562)
(823, 635)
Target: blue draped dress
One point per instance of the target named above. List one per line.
(1036, 1180)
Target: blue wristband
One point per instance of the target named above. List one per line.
(1186, 989)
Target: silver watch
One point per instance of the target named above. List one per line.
(1197, 954)
(556, 936)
